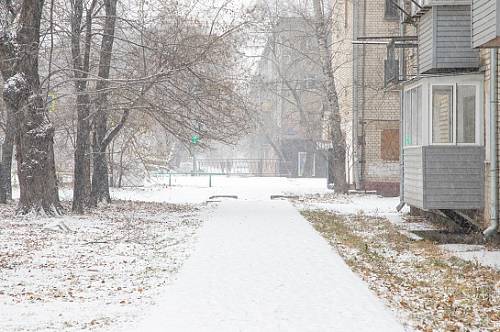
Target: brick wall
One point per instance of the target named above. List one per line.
(380, 107)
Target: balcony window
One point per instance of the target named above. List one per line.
(413, 117)
(454, 114)
(445, 110)
(442, 120)
(466, 114)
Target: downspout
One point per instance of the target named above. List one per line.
(493, 229)
(355, 105)
(361, 112)
(402, 73)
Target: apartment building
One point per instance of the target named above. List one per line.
(450, 109)
(362, 32)
(288, 92)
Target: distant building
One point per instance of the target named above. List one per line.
(288, 92)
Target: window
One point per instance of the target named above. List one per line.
(391, 11)
(466, 117)
(416, 116)
(442, 108)
(454, 114)
(390, 145)
(412, 117)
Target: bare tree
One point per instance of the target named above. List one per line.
(338, 153)
(19, 50)
(81, 65)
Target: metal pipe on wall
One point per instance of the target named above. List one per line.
(402, 73)
(355, 99)
(493, 109)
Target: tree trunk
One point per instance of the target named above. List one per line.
(337, 158)
(81, 176)
(7, 153)
(121, 166)
(34, 131)
(100, 183)
(111, 164)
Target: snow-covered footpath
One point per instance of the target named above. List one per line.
(257, 265)
(260, 266)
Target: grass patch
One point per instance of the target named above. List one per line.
(432, 289)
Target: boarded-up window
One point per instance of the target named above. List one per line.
(390, 144)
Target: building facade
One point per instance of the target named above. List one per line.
(362, 32)
(450, 109)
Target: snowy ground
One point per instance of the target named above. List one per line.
(259, 266)
(431, 288)
(380, 207)
(98, 275)
(187, 189)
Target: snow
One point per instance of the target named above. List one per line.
(96, 272)
(195, 189)
(14, 83)
(376, 206)
(372, 205)
(475, 253)
(259, 266)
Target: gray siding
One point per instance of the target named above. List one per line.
(445, 40)
(485, 22)
(413, 176)
(452, 177)
(425, 39)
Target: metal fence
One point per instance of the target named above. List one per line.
(250, 167)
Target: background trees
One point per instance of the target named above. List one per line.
(316, 26)
(24, 98)
(103, 62)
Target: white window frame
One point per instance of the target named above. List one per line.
(427, 83)
(478, 113)
(422, 110)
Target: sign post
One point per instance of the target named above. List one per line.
(195, 139)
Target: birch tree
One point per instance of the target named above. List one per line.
(338, 154)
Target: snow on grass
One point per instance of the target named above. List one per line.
(432, 289)
(99, 275)
(478, 254)
(195, 189)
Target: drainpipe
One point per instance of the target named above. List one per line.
(492, 230)
(402, 72)
(362, 164)
(355, 99)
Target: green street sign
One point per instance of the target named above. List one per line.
(52, 102)
(195, 139)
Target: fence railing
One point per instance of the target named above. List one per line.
(250, 167)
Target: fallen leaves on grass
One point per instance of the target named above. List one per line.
(115, 258)
(434, 290)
